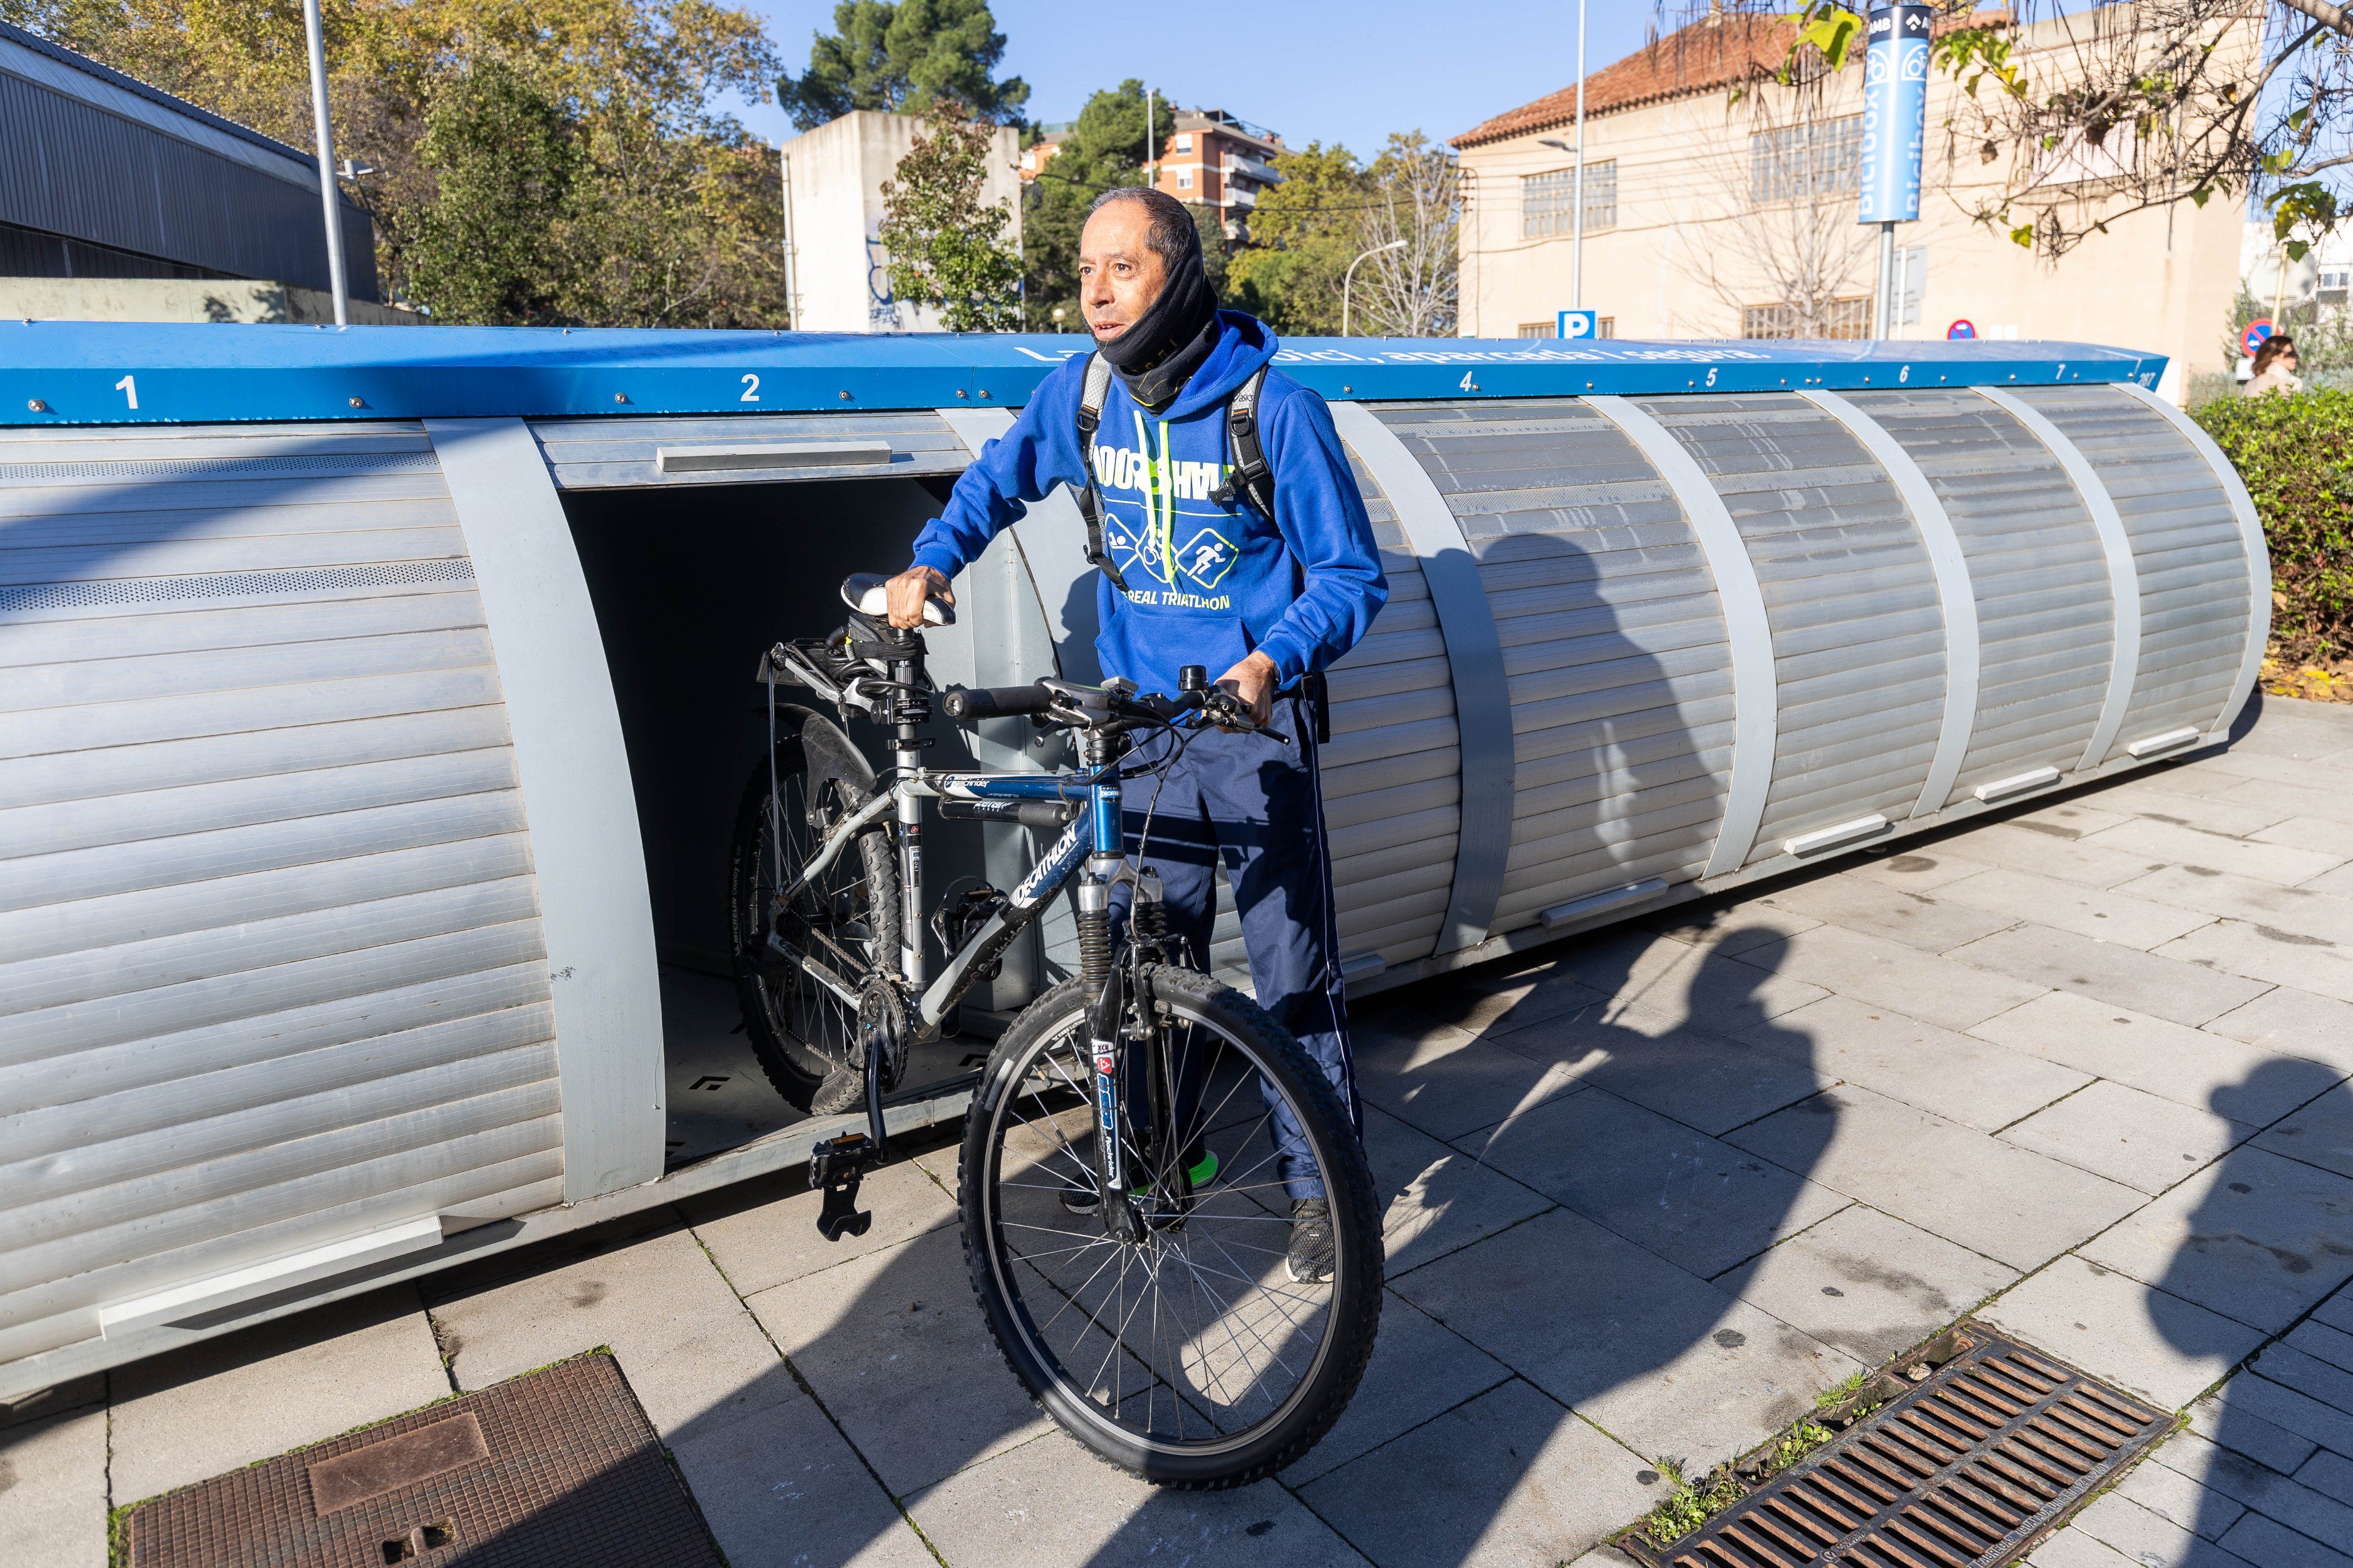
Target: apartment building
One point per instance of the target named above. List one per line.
(1211, 159)
(1715, 216)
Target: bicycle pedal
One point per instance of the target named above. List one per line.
(841, 1216)
(838, 1167)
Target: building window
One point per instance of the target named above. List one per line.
(2334, 283)
(1840, 318)
(1548, 201)
(1605, 327)
(1539, 328)
(1185, 142)
(1184, 179)
(1821, 159)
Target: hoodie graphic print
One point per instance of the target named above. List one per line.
(1207, 583)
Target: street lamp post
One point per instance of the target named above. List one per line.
(329, 196)
(1349, 282)
(1577, 218)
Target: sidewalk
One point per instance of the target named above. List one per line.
(2080, 1070)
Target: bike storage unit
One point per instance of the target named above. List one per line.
(376, 705)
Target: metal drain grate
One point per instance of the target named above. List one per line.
(560, 1467)
(1960, 1472)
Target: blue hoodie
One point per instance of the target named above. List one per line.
(1206, 583)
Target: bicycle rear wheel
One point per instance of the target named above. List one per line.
(1187, 1354)
(847, 919)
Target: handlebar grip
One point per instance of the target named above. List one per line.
(965, 703)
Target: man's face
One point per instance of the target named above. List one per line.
(1119, 274)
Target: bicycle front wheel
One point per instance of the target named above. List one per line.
(1187, 1350)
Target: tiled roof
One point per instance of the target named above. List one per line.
(1719, 50)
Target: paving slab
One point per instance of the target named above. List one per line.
(2128, 1135)
(2319, 1340)
(2282, 863)
(2078, 817)
(1420, 1369)
(780, 1489)
(2143, 1536)
(763, 1233)
(1725, 925)
(2029, 847)
(2216, 810)
(2009, 1203)
(1919, 867)
(2316, 833)
(2196, 1067)
(2302, 911)
(2183, 1500)
(1492, 1003)
(2284, 1363)
(654, 1299)
(1444, 1081)
(2263, 1490)
(2337, 1311)
(53, 1496)
(2295, 1023)
(2114, 1327)
(1870, 1284)
(2300, 797)
(2260, 1539)
(57, 1399)
(2224, 1417)
(2270, 954)
(1872, 969)
(2257, 1238)
(221, 1404)
(2321, 1134)
(1722, 988)
(1051, 1502)
(1510, 1479)
(2331, 1475)
(2073, 1549)
(2165, 985)
(1437, 1197)
(1652, 1057)
(1656, 1357)
(894, 1348)
(1929, 922)
(1963, 1080)
(1688, 1197)
(2291, 1411)
(2112, 915)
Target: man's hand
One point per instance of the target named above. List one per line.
(907, 592)
(1253, 681)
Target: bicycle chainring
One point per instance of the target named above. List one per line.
(883, 1009)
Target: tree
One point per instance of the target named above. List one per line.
(904, 56)
(1303, 234)
(1106, 148)
(1786, 237)
(629, 80)
(1410, 289)
(504, 159)
(945, 241)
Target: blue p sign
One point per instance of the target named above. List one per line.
(1580, 323)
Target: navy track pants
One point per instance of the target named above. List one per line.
(1256, 806)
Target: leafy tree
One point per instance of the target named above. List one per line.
(902, 56)
(1106, 148)
(946, 243)
(1303, 236)
(628, 79)
(504, 159)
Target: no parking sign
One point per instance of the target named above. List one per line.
(2258, 332)
(1961, 331)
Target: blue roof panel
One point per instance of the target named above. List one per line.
(80, 373)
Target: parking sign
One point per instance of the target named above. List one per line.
(1580, 323)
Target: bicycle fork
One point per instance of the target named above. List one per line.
(1105, 990)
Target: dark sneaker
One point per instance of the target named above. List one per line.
(1311, 1241)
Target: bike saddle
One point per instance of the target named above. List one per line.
(865, 593)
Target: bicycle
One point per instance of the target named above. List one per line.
(1124, 1212)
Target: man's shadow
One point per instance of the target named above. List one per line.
(2235, 1264)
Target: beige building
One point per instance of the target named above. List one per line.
(1707, 216)
(833, 178)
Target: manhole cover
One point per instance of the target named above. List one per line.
(560, 1467)
(1961, 1472)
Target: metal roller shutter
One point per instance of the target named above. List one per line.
(2045, 626)
(630, 453)
(1391, 776)
(1613, 645)
(1858, 637)
(2188, 555)
(271, 971)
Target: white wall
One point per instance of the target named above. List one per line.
(837, 173)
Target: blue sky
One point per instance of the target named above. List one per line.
(1335, 72)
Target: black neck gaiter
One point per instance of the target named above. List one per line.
(1159, 350)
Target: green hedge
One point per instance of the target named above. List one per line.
(2296, 455)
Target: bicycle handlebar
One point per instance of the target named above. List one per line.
(967, 703)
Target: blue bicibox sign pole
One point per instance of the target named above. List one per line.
(1578, 323)
(1895, 132)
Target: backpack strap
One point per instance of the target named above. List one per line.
(1250, 479)
(1090, 418)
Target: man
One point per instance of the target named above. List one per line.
(1209, 579)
